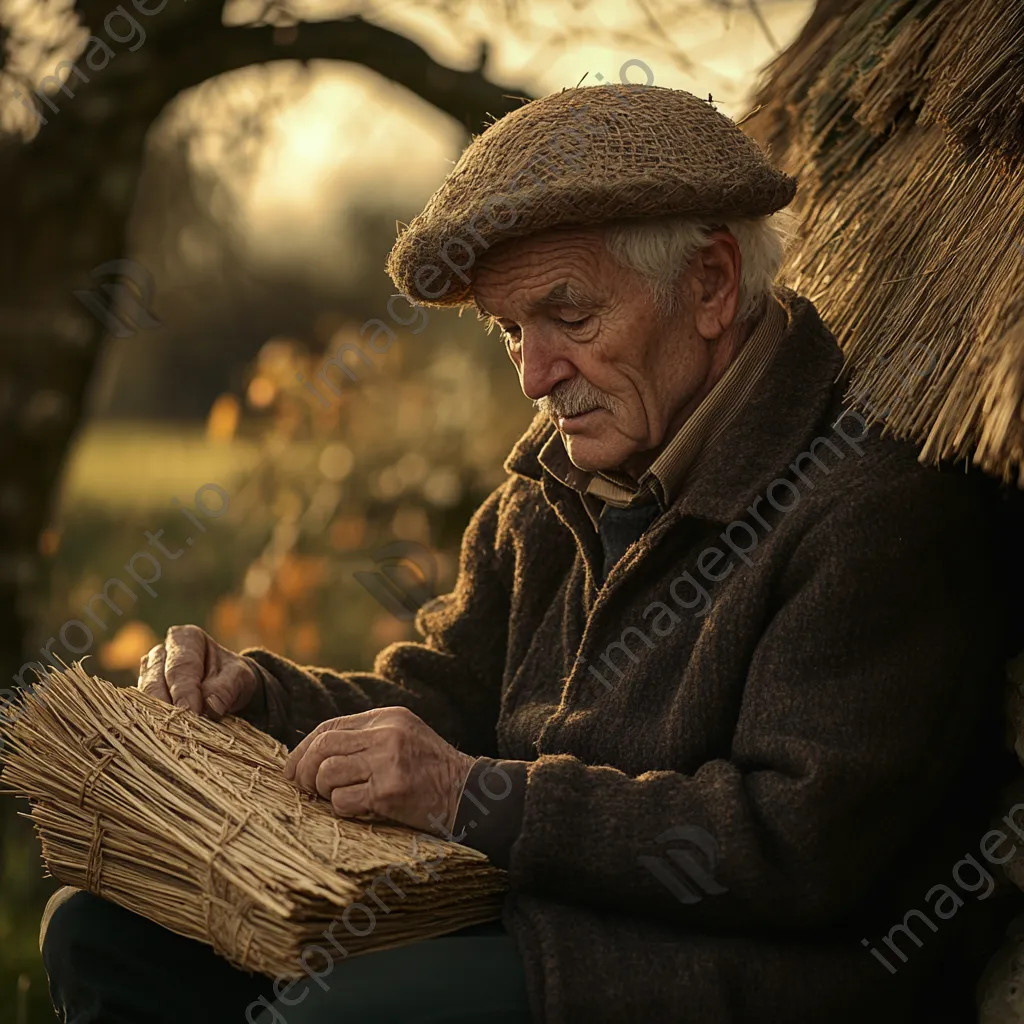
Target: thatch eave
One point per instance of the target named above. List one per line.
(904, 123)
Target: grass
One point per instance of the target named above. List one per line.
(119, 469)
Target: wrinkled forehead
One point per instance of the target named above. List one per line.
(566, 267)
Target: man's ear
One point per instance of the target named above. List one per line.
(716, 285)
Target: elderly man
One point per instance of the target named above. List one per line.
(716, 678)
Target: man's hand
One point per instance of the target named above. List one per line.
(192, 670)
(384, 763)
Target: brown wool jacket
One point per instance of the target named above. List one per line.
(810, 730)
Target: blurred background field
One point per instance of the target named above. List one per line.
(263, 209)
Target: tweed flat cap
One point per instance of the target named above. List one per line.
(582, 157)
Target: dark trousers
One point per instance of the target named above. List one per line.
(109, 966)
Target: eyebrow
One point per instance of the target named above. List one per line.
(563, 294)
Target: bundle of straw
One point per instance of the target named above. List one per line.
(192, 824)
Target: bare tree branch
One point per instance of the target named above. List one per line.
(468, 96)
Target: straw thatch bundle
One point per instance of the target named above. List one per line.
(903, 120)
(192, 824)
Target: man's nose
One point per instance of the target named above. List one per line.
(541, 366)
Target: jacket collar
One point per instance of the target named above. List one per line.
(781, 417)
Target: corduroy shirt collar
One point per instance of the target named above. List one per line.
(681, 458)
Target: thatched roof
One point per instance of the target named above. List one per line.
(904, 122)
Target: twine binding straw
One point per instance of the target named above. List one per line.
(192, 824)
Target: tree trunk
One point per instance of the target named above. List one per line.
(64, 201)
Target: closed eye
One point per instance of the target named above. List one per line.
(573, 324)
(513, 332)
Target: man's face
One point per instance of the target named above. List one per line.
(591, 350)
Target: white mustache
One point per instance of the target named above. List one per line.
(572, 398)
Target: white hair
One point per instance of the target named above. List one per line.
(660, 249)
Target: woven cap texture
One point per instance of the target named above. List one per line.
(582, 157)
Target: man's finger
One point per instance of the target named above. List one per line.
(221, 692)
(339, 771)
(333, 743)
(357, 721)
(353, 802)
(151, 675)
(299, 752)
(185, 665)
